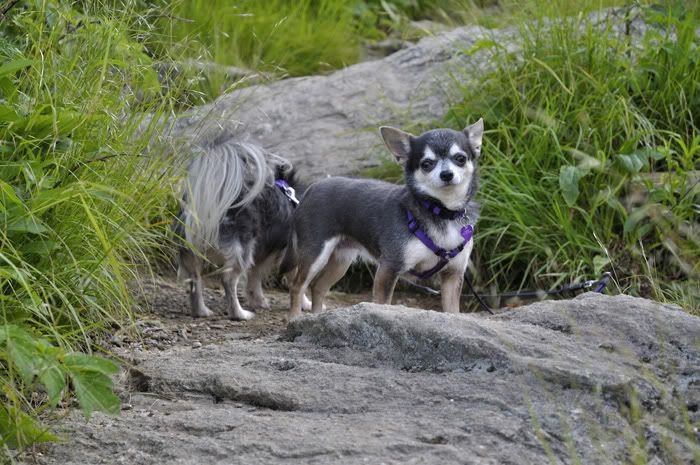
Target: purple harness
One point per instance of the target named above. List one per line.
(445, 255)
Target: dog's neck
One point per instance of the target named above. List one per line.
(437, 208)
(455, 208)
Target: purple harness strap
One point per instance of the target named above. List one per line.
(442, 212)
(445, 255)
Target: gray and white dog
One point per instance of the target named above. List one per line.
(234, 217)
(423, 227)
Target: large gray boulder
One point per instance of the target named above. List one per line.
(328, 124)
(596, 379)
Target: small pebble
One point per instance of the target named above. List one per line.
(196, 345)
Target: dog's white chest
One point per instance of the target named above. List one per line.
(418, 257)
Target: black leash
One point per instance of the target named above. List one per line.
(478, 297)
(598, 286)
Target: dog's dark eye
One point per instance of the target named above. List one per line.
(427, 165)
(460, 159)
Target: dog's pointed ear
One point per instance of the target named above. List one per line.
(475, 134)
(397, 141)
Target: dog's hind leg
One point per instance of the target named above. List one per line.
(307, 270)
(335, 269)
(230, 279)
(254, 292)
(296, 292)
(305, 301)
(384, 283)
(193, 266)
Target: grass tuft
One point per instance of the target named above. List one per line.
(591, 156)
(77, 199)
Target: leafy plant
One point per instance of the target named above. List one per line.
(77, 199)
(33, 361)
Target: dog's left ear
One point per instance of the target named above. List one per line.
(475, 134)
(397, 141)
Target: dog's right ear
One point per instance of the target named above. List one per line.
(397, 141)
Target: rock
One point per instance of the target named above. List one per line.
(328, 124)
(596, 379)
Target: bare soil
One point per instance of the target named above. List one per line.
(164, 320)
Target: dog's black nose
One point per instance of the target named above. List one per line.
(446, 175)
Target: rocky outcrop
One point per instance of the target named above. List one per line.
(328, 124)
(596, 379)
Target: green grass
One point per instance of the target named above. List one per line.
(281, 38)
(589, 157)
(78, 195)
(277, 37)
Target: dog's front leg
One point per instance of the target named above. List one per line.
(384, 283)
(451, 290)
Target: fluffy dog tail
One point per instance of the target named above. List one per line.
(224, 173)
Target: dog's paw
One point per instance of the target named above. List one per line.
(306, 303)
(241, 315)
(261, 303)
(202, 312)
(291, 316)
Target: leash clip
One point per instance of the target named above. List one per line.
(287, 190)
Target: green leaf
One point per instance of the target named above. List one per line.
(649, 153)
(7, 193)
(27, 225)
(19, 429)
(7, 88)
(39, 247)
(50, 371)
(91, 383)
(52, 376)
(21, 350)
(634, 219)
(14, 66)
(483, 44)
(78, 361)
(8, 115)
(630, 163)
(600, 262)
(569, 177)
(94, 392)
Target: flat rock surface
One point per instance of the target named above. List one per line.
(596, 379)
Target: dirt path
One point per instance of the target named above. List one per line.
(165, 322)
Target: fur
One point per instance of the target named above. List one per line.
(340, 219)
(235, 218)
